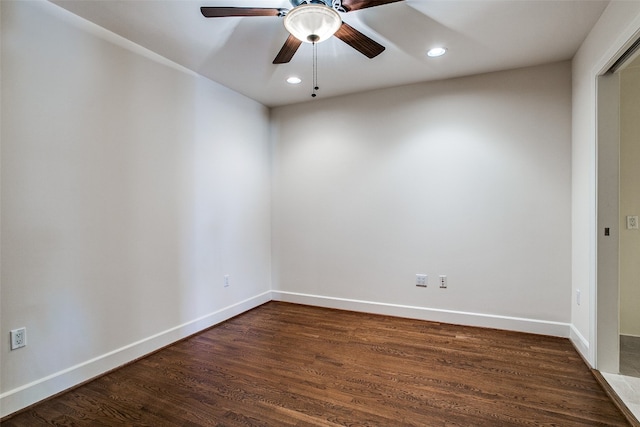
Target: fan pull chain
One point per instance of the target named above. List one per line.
(315, 70)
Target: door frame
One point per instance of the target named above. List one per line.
(605, 293)
(607, 354)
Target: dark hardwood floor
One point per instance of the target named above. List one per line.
(290, 365)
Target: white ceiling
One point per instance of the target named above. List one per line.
(481, 36)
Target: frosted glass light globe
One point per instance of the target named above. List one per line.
(312, 23)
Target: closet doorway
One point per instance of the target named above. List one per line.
(617, 314)
(629, 210)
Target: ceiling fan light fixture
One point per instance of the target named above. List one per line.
(312, 23)
(436, 51)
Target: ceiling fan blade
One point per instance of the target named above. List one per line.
(359, 41)
(289, 48)
(222, 12)
(350, 5)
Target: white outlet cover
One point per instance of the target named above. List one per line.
(18, 338)
(632, 222)
(443, 281)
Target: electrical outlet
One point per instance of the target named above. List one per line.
(443, 281)
(18, 338)
(632, 222)
(421, 280)
(226, 280)
(578, 293)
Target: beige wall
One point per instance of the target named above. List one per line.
(130, 187)
(629, 199)
(467, 177)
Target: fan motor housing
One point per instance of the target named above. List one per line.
(296, 3)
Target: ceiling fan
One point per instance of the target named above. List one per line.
(311, 21)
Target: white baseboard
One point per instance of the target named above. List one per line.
(24, 396)
(629, 335)
(28, 394)
(581, 344)
(534, 326)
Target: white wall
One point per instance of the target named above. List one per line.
(629, 200)
(609, 37)
(130, 187)
(467, 177)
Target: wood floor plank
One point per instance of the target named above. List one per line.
(292, 365)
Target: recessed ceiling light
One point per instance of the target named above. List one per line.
(437, 51)
(294, 80)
